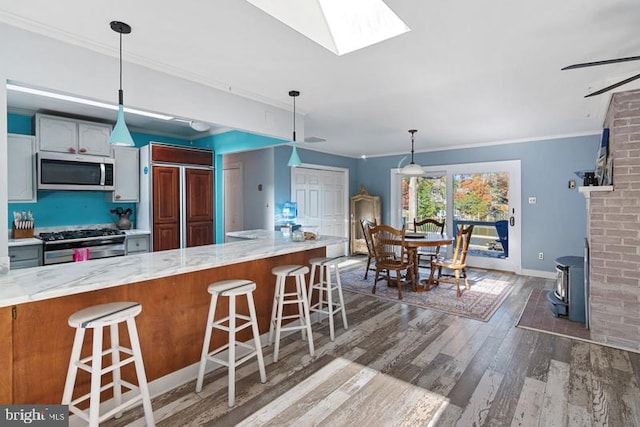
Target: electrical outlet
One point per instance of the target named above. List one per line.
(540, 255)
(532, 200)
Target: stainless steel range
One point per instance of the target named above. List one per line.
(64, 246)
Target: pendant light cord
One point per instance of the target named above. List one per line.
(120, 93)
(294, 119)
(120, 61)
(120, 28)
(294, 94)
(412, 132)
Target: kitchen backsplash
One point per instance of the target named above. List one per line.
(55, 208)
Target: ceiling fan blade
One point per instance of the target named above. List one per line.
(607, 61)
(613, 86)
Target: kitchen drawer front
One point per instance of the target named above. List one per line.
(25, 256)
(137, 244)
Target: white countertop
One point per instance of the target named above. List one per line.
(251, 234)
(24, 242)
(41, 283)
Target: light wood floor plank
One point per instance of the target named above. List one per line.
(427, 356)
(580, 376)
(528, 410)
(452, 373)
(616, 394)
(275, 407)
(463, 388)
(476, 411)
(459, 342)
(578, 416)
(554, 404)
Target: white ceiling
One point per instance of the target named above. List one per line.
(468, 73)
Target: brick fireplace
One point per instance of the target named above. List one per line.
(614, 232)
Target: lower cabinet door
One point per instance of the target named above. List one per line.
(199, 233)
(137, 244)
(166, 236)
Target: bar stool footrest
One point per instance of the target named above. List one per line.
(226, 328)
(293, 328)
(82, 413)
(82, 363)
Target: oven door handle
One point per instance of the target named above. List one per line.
(95, 252)
(106, 252)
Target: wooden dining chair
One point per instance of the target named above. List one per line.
(457, 263)
(366, 225)
(428, 225)
(392, 255)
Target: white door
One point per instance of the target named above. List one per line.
(486, 195)
(492, 245)
(232, 182)
(321, 196)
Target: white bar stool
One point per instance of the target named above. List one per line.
(231, 289)
(298, 297)
(96, 318)
(325, 290)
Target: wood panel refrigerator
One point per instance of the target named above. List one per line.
(176, 197)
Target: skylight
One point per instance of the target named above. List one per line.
(338, 25)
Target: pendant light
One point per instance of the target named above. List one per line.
(412, 169)
(120, 134)
(294, 160)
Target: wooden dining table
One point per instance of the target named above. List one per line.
(413, 241)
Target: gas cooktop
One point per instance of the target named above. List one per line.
(79, 234)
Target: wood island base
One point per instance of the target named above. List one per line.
(37, 342)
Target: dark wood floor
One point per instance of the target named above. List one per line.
(403, 365)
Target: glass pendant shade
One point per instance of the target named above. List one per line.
(120, 135)
(294, 160)
(412, 169)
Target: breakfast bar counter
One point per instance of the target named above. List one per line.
(35, 304)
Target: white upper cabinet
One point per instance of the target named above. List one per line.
(21, 168)
(93, 138)
(127, 174)
(64, 135)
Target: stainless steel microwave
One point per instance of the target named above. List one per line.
(60, 171)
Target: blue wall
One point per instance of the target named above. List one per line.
(226, 143)
(555, 225)
(66, 208)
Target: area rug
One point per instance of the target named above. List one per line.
(537, 316)
(479, 302)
